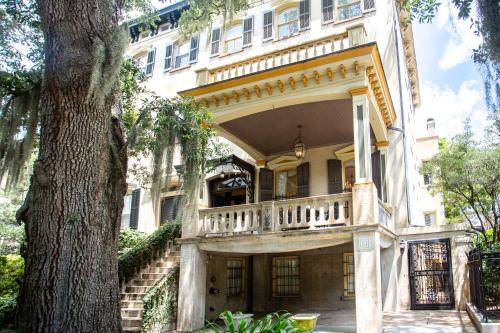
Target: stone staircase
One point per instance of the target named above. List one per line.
(134, 290)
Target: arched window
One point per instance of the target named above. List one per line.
(288, 22)
(234, 38)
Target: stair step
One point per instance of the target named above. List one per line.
(157, 270)
(136, 289)
(132, 329)
(131, 304)
(153, 276)
(130, 296)
(131, 322)
(144, 282)
(131, 313)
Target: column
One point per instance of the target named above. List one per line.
(368, 282)
(192, 289)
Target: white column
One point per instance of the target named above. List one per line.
(192, 289)
(368, 282)
(362, 145)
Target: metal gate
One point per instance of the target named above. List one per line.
(431, 279)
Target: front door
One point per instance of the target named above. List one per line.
(431, 280)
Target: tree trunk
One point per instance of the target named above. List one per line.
(73, 208)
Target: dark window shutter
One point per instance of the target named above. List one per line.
(376, 172)
(171, 209)
(215, 41)
(134, 208)
(303, 180)
(304, 13)
(193, 53)
(168, 56)
(150, 62)
(266, 183)
(334, 176)
(247, 31)
(369, 4)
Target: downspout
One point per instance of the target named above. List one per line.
(405, 148)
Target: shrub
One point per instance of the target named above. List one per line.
(11, 273)
(128, 239)
(146, 251)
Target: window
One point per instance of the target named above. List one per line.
(182, 58)
(286, 277)
(234, 38)
(384, 176)
(288, 22)
(369, 4)
(349, 283)
(429, 219)
(286, 184)
(347, 9)
(327, 8)
(168, 57)
(304, 14)
(247, 31)
(235, 269)
(150, 62)
(134, 208)
(268, 25)
(214, 50)
(193, 50)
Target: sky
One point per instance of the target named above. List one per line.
(451, 85)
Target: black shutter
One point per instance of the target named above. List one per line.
(266, 183)
(134, 208)
(303, 180)
(193, 52)
(150, 62)
(334, 176)
(168, 57)
(171, 209)
(215, 41)
(376, 173)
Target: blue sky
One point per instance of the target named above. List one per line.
(450, 83)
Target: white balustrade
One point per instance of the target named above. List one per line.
(274, 216)
(384, 216)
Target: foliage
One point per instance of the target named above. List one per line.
(150, 249)
(160, 302)
(11, 232)
(131, 77)
(128, 239)
(468, 173)
(11, 273)
(278, 322)
(202, 13)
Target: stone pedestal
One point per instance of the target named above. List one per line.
(364, 203)
(368, 282)
(192, 289)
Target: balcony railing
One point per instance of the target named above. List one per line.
(352, 37)
(384, 215)
(277, 216)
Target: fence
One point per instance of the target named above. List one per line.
(484, 279)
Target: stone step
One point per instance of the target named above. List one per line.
(131, 304)
(132, 296)
(131, 313)
(144, 282)
(131, 329)
(136, 289)
(131, 322)
(152, 276)
(157, 270)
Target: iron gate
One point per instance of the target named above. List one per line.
(431, 280)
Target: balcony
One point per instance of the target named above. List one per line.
(326, 211)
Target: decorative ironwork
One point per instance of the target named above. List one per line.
(245, 173)
(484, 279)
(431, 281)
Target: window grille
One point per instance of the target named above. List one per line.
(268, 25)
(349, 281)
(304, 14)
(286, 277)
(327, 8)
(235, 268)
(247, 31)
(215, 41)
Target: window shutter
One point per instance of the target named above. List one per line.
(303, 180)
(134, 209)
(266, 183)
(334, 176)
(369, 4)
(268, 25)
(215, 41)
(247, 31)
(304, 14)
(150, 63)
(376, 172)
(171, 209)
(193, 52)
(168, 57)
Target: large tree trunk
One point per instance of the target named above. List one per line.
(73, 209)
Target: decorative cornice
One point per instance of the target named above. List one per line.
(358, 91)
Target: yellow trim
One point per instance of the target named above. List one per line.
(382, 144)
(358, 91)
(260, 163)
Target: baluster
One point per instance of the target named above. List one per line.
(315, 50)
(243, 69)
(333, 44)
(342, 43)
(323, 47)
(273, 61)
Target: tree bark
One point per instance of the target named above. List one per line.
(73, 209)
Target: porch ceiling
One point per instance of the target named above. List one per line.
(274, 131)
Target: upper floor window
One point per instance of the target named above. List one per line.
(304, 14)
(187, 52)
(234, 38)
(429, 219)
(327, 9)
(347, 9)
(288, 22)
(150, 62)
(215, 44)
(268, 25)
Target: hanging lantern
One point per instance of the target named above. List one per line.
(299, 147)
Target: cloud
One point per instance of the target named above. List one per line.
(462, 39)
(450, 108)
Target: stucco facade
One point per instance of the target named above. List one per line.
(326, 232)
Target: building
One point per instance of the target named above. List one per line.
(318, 210)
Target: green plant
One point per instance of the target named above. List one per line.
(148, 250)
(277, 322)
(160, 302)
(128, 239)
(11, 273)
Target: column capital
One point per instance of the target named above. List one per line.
(260, 163)
(363, 90)
(381, 144)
